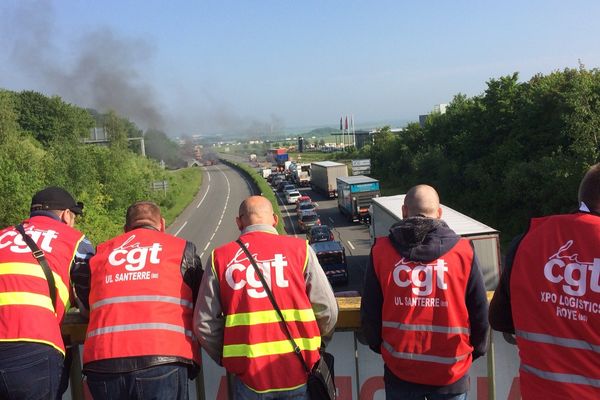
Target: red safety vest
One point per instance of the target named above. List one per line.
(255, 347)
(139, 303)
(555, 299)
(26, 310)
(425, 323)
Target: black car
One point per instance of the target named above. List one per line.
(332, 257)
(283, 184)
(319, 233)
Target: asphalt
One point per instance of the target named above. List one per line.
(209, 221)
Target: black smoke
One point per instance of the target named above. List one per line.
(104, 70)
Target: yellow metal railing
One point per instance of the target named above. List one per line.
(75, 326)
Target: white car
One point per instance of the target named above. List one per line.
(291, 196)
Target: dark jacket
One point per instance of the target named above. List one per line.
(424, 240)
(191, 270)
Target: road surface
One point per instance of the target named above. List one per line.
(209, 221)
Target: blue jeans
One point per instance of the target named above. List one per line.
(242, 392)
(162, 382)
(394, 393)
(29, 371)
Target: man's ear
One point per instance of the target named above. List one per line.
(404, 212)
(239, 223)
(68, 218)
(439, 213)
(162, 224)
(275, 219)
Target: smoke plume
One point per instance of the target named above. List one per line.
(105, 71)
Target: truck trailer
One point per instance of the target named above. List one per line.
(323, 176)
(355, 194)
(386, 211)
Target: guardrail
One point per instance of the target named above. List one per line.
(359, 369)
(263, 187)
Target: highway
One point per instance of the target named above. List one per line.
(209, 221)
(354, 236)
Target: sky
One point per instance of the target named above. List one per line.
(260, 66)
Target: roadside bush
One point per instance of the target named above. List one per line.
(265, 190)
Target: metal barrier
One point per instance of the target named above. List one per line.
(362, 380)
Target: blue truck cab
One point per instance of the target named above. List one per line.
(355, 194)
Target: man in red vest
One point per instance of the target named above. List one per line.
(235, 321)
(32, 351)
(549, 297)
(139, 342)
(424, 304)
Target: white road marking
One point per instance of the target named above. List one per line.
(222, 214)
(179, 230)
(288, 214)
(203, 197)
(350, 244)
(208, 173)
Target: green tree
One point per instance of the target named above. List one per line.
(49, 118)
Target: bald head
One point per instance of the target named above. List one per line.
(256, 210)
(144, 214)
(589, 188)
(422, 200)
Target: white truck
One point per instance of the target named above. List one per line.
(300, 174)
(386, 211)
(266, 172)
(323, 175)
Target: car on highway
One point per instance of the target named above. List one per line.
(283, 184)
(276, 181)
(305, 222)
(332, 257)
(304, 199)
(289, 187)
(306, 208)
(291, 196)
(319, 233)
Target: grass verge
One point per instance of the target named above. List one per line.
(183, 185)
(263, 187)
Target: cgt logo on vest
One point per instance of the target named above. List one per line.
(236, 272)
(576, 274)
(420, 276)
(15, 243)
(134, 256)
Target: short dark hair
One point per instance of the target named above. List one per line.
(589, 188)
(142, 213)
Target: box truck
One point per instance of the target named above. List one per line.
(323, 176)
(355, 194)
(386, 211)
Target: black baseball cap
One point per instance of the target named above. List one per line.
(55, 198)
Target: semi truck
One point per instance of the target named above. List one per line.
(387, 210)
(323, 176)
(278, 157)
(355, 194)
(300, 174)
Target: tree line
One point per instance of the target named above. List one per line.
(516, 151)
(41, 144)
